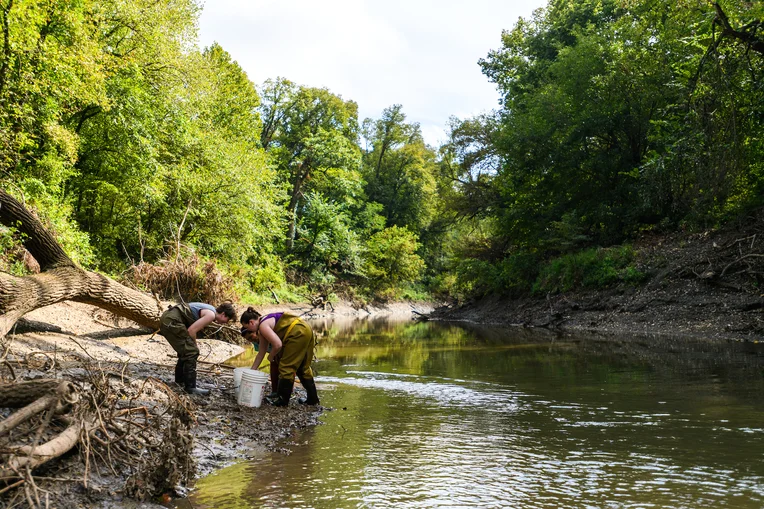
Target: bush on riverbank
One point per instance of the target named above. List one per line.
(526, 273)
(593, 268)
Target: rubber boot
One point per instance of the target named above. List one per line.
(274, 380)
(189, 379)
(179, 372)
(284, 393)
(310, 388)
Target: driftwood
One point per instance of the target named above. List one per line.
(60, 278)
(30, 457)
(18, 394)
(38, 396)
(53, 396)
(104, 416)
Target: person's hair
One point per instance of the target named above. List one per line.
(249, 314)
(227, 309)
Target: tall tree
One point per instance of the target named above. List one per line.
(306, 131)
(400, 170)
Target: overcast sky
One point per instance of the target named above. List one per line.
(422, 54)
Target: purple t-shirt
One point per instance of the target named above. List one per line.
(277, 316)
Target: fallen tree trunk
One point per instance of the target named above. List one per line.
(60, 278)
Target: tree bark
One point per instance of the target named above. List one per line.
(44, 396)
(745, 34)
(295, 197)
(61, 279)
(19, 394)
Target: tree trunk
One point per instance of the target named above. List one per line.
(293, 200)
(19, 394)
(44, 395)
(60, 278)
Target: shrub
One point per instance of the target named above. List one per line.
(590, 268)
(513, 275)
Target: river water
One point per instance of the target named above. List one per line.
(442, 415)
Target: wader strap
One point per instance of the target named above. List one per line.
(289, 329)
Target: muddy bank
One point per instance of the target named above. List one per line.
(58, 338)
(677, 311)
(708, 284)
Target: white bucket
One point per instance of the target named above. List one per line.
(252, 388)
(237, 379)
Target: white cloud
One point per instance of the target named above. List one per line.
(419, 53)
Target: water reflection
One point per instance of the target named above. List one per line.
(436, 415)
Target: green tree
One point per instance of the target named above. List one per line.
(175, 156)
(400, 170)
(327, 243)
(392, 261)
(307, 132)
(52, 64)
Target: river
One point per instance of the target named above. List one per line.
(444, 415)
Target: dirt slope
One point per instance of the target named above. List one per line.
(709, 284)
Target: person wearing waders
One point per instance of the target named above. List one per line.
(274, 364)
(291, 343)
(179, 325)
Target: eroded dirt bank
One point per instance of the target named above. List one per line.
(708, 284)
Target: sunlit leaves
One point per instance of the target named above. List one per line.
(392, 260)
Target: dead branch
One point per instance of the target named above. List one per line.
(750, 255)
(29, 457)
(20, 394)
(26, 413)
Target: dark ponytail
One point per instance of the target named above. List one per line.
(249, 314)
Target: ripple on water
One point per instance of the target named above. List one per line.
(441, 392)
(535, 429)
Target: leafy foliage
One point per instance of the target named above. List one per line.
(392, 261)
(590, 268)
(616, 117)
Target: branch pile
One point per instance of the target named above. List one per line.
(135, 431)
(186, 276)
(731, 259)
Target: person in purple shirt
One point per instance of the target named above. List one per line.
(291, 343)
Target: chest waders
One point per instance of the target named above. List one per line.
(174, 326)
(296, 356)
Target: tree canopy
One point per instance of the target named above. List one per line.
(614, 117)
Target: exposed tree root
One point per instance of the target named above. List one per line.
(137, 431)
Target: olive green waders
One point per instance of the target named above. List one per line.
(174, 326)
(297, 345)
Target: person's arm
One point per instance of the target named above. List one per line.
(206, 317)
(266, 331)
(260, 353)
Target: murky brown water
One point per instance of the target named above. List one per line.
(437, 415)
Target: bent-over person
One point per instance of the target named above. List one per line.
(179, 325)
(291, 342)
